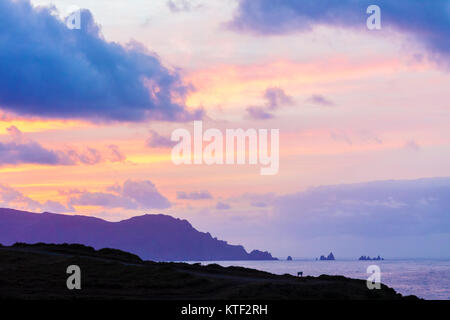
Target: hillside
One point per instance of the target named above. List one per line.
(153, 237)
(39, 272)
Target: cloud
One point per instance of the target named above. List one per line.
(274, 98)
(408, 218)
(10, 197)
(20, 150)
(351, 137)
(30, 152)
(258, 200)
(375, 209)
(177, 6)
(341, 136)
(412, 145)
(114, 154)
(107, 200)
(320, 100)
(69, 192)
(259, 204)
(56, 207)
(91, 156)
(258, 113)
(51, 71)
(426, 21)
(198, 195)
(133, 194)
(14, 132)
(158, 141)
(222, 206)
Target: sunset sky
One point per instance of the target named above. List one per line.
(86, 115)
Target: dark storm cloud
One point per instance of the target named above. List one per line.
(48, 70)
(427, 21)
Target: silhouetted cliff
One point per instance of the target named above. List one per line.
(154, 237)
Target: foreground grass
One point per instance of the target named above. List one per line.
(39, 272)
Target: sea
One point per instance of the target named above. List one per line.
(427, 279)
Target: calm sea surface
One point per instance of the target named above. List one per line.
(428, 279)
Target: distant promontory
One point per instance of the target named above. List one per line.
(152, 237)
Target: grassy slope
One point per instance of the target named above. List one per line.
(39, 272)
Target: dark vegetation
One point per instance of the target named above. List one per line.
(39, 272)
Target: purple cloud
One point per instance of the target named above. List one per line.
(427, 21)
(133, 194)
(48, 70)
(274, 98)
(222, 206)
(375, 209)
(177, 6)
(408, 218)
(107, 200)
(320, 100)
(198, 195)
(158, 141)
(30, 152)
(21, 150)
(341, 136)
(114, 154)
(259, 204)
(10, 197)
(258, 113)
(412, 145)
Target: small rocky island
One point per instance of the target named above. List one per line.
(364, 258)
(289, 258)
(329, 257)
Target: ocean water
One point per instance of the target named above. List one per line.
(428, 279)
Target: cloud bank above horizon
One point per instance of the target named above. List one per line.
(86, 116)
(426, 21)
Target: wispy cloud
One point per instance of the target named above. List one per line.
(426, 21)
(133, 194)
(155, 140)
(196, 195)
(222, 206)
(320, 100)
(177, 6)
(412, 145)
(10, 197)
(274, 98)
(259, 113)
(20, 150)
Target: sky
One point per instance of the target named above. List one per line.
(86, 118)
